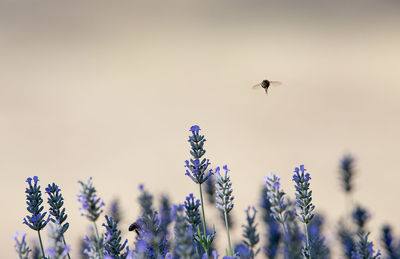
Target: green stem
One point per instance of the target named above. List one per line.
(227, 232)
(65, 243)
(204, 219)
(308, 241)
(41, 244)
(98, 238)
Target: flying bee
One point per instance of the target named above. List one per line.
(265, 84)
(134, 227)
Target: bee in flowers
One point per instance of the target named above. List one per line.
(134, 227)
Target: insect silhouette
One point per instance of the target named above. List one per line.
(265, 84)
(134, 227)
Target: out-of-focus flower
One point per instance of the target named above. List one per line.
(91, 205)
(56, 249)
(250, 235)
(21, 247)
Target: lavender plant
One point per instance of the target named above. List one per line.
(165, 213)
(21, 247)
(115, 210)
(57, 248)
(224, 199)
(56, 202)
(319, 249)
(113, 238)
(145, 202)
(293, 239)
(364, 249)
(303, 198)
(360, 217)
(153, 239)
(153, 242)
(276, 199)
(93, 247)
(91, 207)
(37, 219)
(197, 171)
(192, 211)
(183, 237)
(273, 235)
(346, 239)
(250, 235)
(347, 173)
(392, 250)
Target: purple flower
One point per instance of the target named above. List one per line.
(196, 170)
(195, 129)
(192, 210)
(276, 198)
(303, 194)
(57, 247)
(91, 205)
(223, 186)
(21, 247)
(347, 172)
(34, 200)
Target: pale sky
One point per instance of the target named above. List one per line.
(109, 90)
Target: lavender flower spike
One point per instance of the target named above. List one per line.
(34, 200)
(113, 244)
(224, 198)
(183, 236)
(303, 198)
(92, 208)
(303, 194)
(22, 247)
(347, 173)
(192, 211)
(223, 187)
(91, 204)
(57, 248)
(364, 249)
(197, 170)
(276, 199)
(197, 167)
(250, 235)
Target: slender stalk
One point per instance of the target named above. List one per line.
(308, 241)
(227, 232)
(283, 225)
(285, 235)
(204, 219)
(98, 238)
(65, 243)
(41, 245)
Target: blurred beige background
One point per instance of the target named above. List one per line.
(109, 89)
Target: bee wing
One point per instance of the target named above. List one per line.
(275, 83)
(256, 86)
